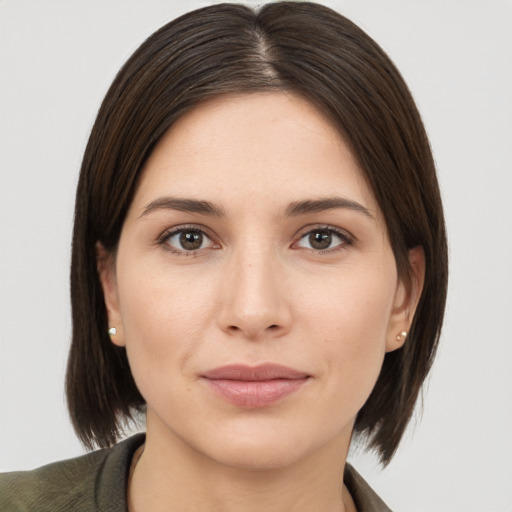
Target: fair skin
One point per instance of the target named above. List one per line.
(256, 276)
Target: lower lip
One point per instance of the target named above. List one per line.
(255, 394)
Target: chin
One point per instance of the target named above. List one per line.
(258, 448)
(257, 456)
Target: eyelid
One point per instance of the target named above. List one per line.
(344, 235)
(168, 233)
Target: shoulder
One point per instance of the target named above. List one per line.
(365, 498)
(95, 481)
(62, 485)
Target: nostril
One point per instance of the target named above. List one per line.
(254, 330)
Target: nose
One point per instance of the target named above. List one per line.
(255, 304)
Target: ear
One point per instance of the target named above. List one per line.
(105, 262)
(406, 301)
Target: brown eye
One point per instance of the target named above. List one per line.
(320, 240)
(324, 239)
(191, 240)
(187, 240)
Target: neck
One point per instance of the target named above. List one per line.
(170, 475)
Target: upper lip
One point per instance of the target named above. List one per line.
(260, 372)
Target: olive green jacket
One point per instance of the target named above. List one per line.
(96, 482)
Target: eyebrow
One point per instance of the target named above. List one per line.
(328, 203)
(294, 209)
(183, 205)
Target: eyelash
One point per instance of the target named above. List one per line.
(346, 238)
(167, 235)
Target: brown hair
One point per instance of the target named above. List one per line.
(224, 49)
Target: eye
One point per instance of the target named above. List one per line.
(324, 239)
(187, 240)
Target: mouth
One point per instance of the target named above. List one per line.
(254, 386)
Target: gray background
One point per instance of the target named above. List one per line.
(57, 59)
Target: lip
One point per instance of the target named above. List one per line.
(254, 386)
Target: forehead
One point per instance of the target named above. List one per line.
(271, 147)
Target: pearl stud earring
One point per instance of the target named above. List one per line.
(401, 336)
(112, 331)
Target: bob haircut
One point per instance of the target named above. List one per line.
(300, 47)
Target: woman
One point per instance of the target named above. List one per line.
(259, 266)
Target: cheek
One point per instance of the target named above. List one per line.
(354, 304)
(349, 317)
(164, 318)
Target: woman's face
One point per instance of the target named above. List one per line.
(254, 286)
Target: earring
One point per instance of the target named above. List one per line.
(112, 331)
(401, 336)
